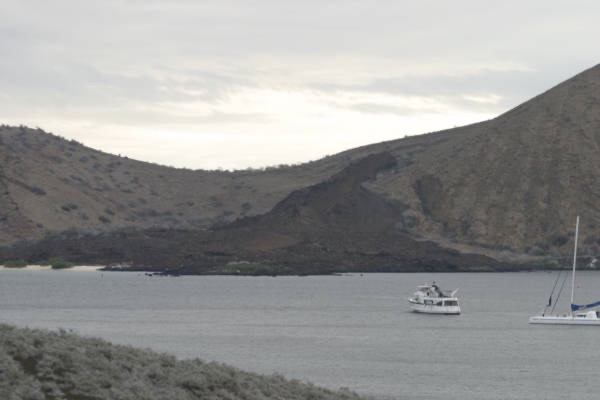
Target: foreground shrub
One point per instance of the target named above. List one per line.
(36, 364)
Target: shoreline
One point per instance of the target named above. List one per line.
(80, 268)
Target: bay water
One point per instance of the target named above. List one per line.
(354, 331)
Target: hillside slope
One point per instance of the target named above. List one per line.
(515, 182)
(49, 184)
(334, 226)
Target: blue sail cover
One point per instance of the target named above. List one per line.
(577, 307)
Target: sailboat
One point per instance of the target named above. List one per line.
(585, 314)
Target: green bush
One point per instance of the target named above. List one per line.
(37, 190)
(57, 263)
(15, 263)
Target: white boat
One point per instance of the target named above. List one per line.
(430, 299)
(580, 314)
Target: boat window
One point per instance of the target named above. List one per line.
(429, 302)
(451, 303)
(439, 303)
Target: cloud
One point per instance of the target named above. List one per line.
(294, 72)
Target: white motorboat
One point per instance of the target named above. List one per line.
(430, 299)
(578, 314)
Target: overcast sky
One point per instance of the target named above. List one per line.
(232, 84)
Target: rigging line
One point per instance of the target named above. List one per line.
(552, 292)
(559, 292)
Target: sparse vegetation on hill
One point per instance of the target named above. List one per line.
(312, 231)
(50, 184)
(509, 187)
(37, 365)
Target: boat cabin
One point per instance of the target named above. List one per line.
(442, 302)
(593, 314)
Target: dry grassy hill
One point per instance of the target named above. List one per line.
(50, 184)
(514, 182)
(517, 181)
(333, 226)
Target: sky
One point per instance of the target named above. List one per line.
(247, 84)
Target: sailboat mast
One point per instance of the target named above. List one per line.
(574, 261)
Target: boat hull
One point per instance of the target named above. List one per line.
(433, 309)
(563, 320)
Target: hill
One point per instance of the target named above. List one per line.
(38, 364)
(333, 226)
(504, 187)
(49, 184)
(516, 181)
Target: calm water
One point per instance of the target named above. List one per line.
(351, 331)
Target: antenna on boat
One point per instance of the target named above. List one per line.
(574, 262)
